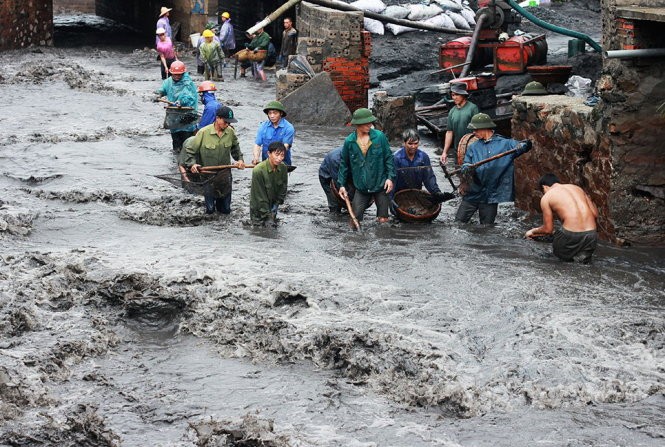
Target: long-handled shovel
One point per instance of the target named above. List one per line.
(208, 169)
(354, 219)
(473, 166)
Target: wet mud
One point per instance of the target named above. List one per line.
(128, 317)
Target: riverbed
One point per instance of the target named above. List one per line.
(131, 318)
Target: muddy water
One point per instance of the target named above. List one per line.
(129, 318)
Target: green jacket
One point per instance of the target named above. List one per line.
(260, 42)
(209, 149)
(211, 53)
(369, 172)
(268, 189)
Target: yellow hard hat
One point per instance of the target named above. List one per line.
(208, 33)
(226, 15)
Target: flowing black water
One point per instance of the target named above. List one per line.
(129, 318)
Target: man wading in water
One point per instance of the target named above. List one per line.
(577, 238)
(366, 154)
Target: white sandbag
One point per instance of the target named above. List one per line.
(373, 26)
(376, 6)
(469, 16)
(398, 29)
(459, 21)
(449, 5)
(396, 12)
(422, 12)
(442, 21)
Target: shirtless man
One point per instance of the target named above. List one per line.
(577, 238)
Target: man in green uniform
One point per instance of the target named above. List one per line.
(459, 118)
(269, 182)
(213, 145)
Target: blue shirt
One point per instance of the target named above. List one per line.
(211, 105)
(411, 177)
(492, 182)
(267, 133)
(330, 166)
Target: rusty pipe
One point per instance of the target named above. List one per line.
(472, 47)
(273, 16)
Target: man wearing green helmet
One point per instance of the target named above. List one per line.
(490, 183)
(368, 160)
(275, 128)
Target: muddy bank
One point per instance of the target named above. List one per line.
(129, 318)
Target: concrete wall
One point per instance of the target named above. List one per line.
(68, 6)
(25, 23)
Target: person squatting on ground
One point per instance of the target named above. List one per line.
(289, 42)
(458, 120)
(180, 90)
(260, 41)
(275, 128)
(213, 146)
(210, 103)
(165, 52)
(200, 66)
(226, 36)
(328, 172)
(367, 158)
(414, 169)
(577, 239)
(491, 183)
(165, 23)
(211, 56)
(269, 182)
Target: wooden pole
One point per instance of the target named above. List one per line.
(354, 219)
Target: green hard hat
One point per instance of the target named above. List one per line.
(275, 105)
(362, 116)
(481, 121)
(534, 88)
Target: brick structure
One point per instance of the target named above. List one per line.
(335, 42)
(614, 150)
(26, 23)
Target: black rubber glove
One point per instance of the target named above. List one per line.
(440, 197)
(527, 145)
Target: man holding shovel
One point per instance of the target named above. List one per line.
(213, 146)
(491, 183)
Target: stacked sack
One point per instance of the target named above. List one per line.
(453, 14)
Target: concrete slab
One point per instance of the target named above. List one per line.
(317, 102)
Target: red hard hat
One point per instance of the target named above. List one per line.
(206, 86)
(177, 68)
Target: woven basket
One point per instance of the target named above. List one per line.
(258, 56)
(414, 207)
(242, 55)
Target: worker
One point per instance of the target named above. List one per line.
(414, 169)
(289, 42)
(458, 120)
(328, 171)
(212, 57)
(269, 182)
(367, 159)
(492, 182)
(200, 66)
(577, 239)
(260, 41)
(213, 146)
(210, 103)
(180, 91)
(275, 128)
(534, 88)
(164, 22)
(166, 52)
(226, 36)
